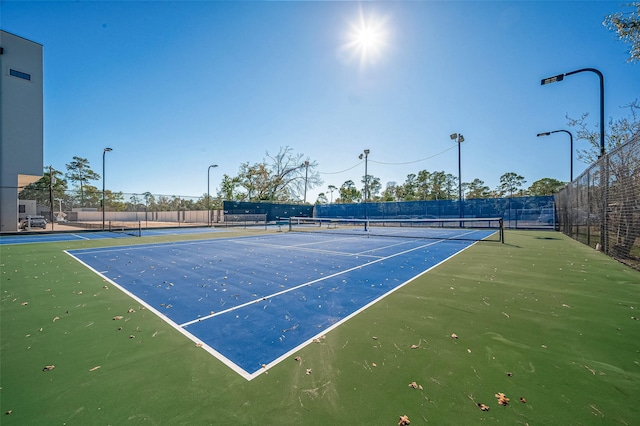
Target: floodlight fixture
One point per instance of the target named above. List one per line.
(553, 79)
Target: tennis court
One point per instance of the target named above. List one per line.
(54, 237)
(252, 301)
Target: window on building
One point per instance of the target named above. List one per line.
(20, 74)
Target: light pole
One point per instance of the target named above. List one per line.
(306, 174)
(459, 139)
(104, 152)
(571, 148)
(560, 77)
(366, 175)
(52, 181)
(208, 196)
(366, 181)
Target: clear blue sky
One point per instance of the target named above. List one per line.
(173, 87)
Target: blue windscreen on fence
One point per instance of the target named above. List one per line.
(517, 212)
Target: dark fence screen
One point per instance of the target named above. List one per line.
(273, 211)
(517, 212)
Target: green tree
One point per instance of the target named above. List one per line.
(372, 185)
(510, 183)
(619, 132)
(545, 186)
(322, 199)
(281, 177)
(349, 193)
(229, 188)
(423, 185)
(331, 188)
(477, 189)
(79, 172)
(627, 27)
(39, 190)
(410, 188)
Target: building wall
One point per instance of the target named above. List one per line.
(21, 122)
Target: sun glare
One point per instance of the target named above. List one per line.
(367, 39)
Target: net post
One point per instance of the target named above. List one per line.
(109, 226)
(290, 224)
(501, 220)
(139, 229)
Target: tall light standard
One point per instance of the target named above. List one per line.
(366, 175)
(561, 77)
(571, 147)
(366, 181)
(459, 139)
(208, 196)
(604, 238)
(306, 175)
(104, 152)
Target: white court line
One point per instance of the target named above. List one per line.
(81, 237)
(308, 283)
(333, 239)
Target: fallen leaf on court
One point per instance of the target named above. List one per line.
(509, 373)
(454, 336)
(55, 319)
(48, 367)
(105, 287)
(298, 359)
(198, 345)
(483, 407)
(374, 338)
(413, 385)
(9, 412)
(308, 371)
(403, 420)
(522, 399)
(502, 399)
(94, 368)
(414, 346)
(24, 303)
(131, 311)
(131, 336)
(373, 364)
(117, 317)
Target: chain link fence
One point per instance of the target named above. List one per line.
(601, 208)
(84, 208)
(517, 212)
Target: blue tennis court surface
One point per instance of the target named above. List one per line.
(253, 301)
(57, 237)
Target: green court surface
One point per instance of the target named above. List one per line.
(542, 317)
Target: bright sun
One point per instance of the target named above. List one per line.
(367, 39)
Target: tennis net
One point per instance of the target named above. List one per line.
(473, 229)
(133, 229)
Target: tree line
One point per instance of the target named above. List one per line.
(287, 176)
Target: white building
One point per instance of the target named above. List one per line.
(21, 122)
